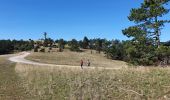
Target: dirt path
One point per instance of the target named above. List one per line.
(11, 86)
(20, 58)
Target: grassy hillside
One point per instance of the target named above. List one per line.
(30, 82)
(52, 83)
(11, 87)
(73, 58)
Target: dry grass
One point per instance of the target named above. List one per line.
(73, 58)
(53, 83)
(11, 87)
(29, 82)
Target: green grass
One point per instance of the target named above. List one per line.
(75, 84)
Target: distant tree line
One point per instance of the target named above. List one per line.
(128, 51)
(144, 48)
(10, 46)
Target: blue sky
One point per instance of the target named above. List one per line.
(28, 19)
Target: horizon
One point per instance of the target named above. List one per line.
(28, 19)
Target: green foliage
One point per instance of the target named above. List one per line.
(85, 43)
(114, 50)
(163, 53)
(92, 43)
(61, 44)
(98, 45)
(106, 47)
(135, 32)
(45, 35)
(21, 45)
(48, 42)
(6, 46)
(142, 50)
(74, 46)
(139, 53)
(148, 17)
(166, 43)
(81, 43)
(42, 50)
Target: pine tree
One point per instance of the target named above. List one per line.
(74, 46)
(146, 33)
(45, 35)
(45, 39)
(98, 45)
(148, 18)
(61, 45)
(85, 43)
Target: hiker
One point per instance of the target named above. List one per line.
(81, 63)
(88, 62)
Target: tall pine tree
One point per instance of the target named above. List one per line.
(149, 18)
(146, 33)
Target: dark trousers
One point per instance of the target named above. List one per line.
(82, 66)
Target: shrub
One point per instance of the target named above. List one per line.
(42, 50)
